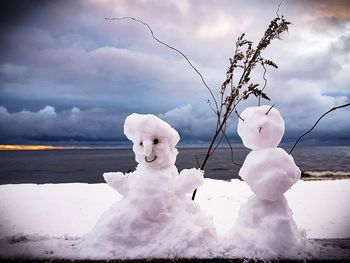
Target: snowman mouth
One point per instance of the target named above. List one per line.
(155, 157)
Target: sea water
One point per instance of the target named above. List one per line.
(88, 165)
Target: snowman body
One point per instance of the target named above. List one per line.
(155, 217)
(265, 227)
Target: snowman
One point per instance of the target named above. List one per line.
(265, 226)
(156, 217)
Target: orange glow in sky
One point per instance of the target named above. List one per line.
(31, 147)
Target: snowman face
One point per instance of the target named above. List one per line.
(154, 140)
(261, 127)
(154, 152)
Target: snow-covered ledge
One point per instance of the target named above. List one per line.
(32, 212)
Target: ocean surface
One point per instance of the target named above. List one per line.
(88, 165)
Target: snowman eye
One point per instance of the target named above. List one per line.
(141, 143)
(155, 141)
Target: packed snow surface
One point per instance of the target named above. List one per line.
(260, 127)
(48, 220)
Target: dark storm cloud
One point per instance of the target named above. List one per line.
(13, 12)
(64, 54)
(70, 126)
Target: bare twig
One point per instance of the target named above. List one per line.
(171, 47)
(209, 104)
(238, 115)
(264, 77)
(219, 141)
(197, 161)
(231, 149)
(332, 109)
(270, 109)
(278, 8)
(194, 194)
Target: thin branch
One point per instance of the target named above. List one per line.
(223, 123)
(265, 79)
(231, 148)
(278, 8)
(235, 104)
(223, 135)
(222, 130)
(168, 46)
(197, 161)
(239, 115)
(332, 109)
(209, 104)
(194, 194)
(270, 109)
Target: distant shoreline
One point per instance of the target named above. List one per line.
(129, 147)
(324, 175)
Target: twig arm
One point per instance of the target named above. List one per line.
(171, 47)
(332, 109)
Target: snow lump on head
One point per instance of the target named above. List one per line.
(154, 140)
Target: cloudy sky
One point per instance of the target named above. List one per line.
(68, 77)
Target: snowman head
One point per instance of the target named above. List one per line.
(154, 140)
(260, 127)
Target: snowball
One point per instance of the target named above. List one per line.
(262, 127)
(269, 172)
(154, 140)
(265, 229)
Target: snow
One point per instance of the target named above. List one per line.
(262, 127)
(68, 211)
(52, 209)
(155, 208)
(319, 207)
(269, 172)
(151, 214)
(265, 227)
(155, 203)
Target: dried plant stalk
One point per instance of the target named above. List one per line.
(244, 60)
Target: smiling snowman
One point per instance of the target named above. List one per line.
(156, 217)
(265, 226)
